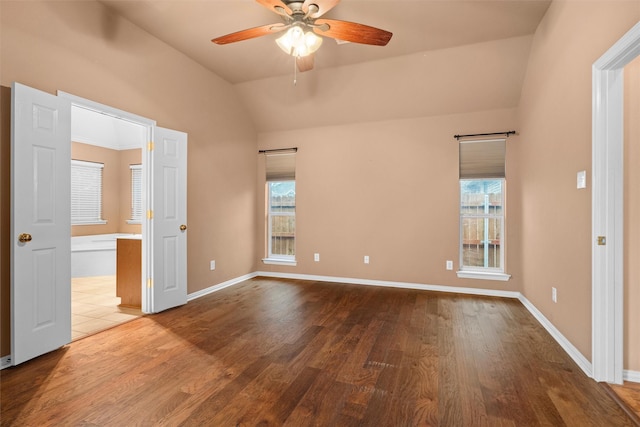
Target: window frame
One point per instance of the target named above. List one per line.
(97, 186)
(278, 259)
(475, 272)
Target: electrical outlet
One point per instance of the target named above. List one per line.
(554, 294)
(316, 257)
(449, 265)
(366, 259)
(212, 265)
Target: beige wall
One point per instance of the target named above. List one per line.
(632, 215)
(555, 125)
(388, 190)
(81, 48)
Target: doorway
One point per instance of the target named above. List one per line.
(40, 219)
(607, 208)
(106, 217)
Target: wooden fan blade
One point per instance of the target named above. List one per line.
(324, 6)
(305, 63)
(250, 33)
(276, 6)
(352, 32)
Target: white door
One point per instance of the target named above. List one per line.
(40, 223)
(169, 219)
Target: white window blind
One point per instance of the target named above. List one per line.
(86, 192)
(136, 194)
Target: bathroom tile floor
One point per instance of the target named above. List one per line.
(94, 306)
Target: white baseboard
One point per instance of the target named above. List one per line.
(569, 348)
(632, 376)
(388, 284)
(219, 286)
(5, 362)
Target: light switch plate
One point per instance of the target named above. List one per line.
(582, 179)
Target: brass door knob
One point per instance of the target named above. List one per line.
(24, 238)
(183, 227)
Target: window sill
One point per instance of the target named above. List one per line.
(483, 275)
(134, 221)
(276, 261)
(98, 222)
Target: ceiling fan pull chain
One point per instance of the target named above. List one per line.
(295, 71)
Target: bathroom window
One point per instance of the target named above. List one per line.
(86, 193)
(136, 194)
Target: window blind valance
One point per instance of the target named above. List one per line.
(482, 159)
(281, 166)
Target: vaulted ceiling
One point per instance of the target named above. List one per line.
(473, 45)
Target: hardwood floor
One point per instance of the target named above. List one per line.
(286, 352)
(628, 397)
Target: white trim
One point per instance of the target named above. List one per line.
(483, 275)
(5, 362)
(607, 207)
(105, 109)
(147, 237)
(632, 376)
(566, 345)
(280, 261)
(219, 286)
(389, 284)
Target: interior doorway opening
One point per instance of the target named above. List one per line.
(107, 284)
(608, 208)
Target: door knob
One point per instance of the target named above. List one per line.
(183, 227)
(24, 238)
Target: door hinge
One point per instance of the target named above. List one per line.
(602, 240)
(149, 283)
(150, 146)
(149, 214)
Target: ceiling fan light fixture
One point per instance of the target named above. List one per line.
(296, 42)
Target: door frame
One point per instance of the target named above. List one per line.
(147, 237)
(607, 207)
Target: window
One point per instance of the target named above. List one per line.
(481, 223)
(281, 207)
(482, 213)
(86, 193)
(136, 194)
(282, 219)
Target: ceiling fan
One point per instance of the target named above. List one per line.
(303, 24)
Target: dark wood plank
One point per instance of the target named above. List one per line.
(287, 352)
